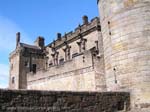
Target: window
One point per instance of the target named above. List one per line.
(26, 64)
(50, 63)
(67, 52)
(34, 68)
(120, 105)
(82, 44)
(13, 80)
(61, 61)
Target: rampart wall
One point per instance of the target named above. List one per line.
(48, 101)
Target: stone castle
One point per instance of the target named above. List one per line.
(110, 53)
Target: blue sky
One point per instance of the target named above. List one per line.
(35, 18)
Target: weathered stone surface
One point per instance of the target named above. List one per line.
(48, 101)
(69, 63)
(126, 37)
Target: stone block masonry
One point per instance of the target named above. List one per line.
(56, 101)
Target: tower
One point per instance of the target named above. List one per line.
(17, 78)
(126, 39)
(24, 59)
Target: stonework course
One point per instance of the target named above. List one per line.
(48, 101)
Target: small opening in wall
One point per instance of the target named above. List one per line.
(109, 22)
(26, 64)
(83, 59)
(61, 61)
(13, 80)
(110, 33)
(120, 105)
(50, 64)
(34, 68)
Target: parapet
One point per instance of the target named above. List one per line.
(82, 30)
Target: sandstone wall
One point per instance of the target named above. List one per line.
(78, 74)
(126, 39)
(48, 101)
(74, 47)
(14, 71)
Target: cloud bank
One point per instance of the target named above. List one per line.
(8, 29)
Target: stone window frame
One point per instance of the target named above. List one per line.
(82, 44)
(55, 57)
(67, 51)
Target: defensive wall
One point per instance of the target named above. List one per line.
(57, 101)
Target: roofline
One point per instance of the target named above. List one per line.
(95, 18)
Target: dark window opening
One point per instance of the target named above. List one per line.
(26, 64)
(13, 80)
(120, 105)
(110, 33)
(34, 68)
(83, 59)
(61, 61)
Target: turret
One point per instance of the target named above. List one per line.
(40, 42)
(126, 38)
(85, 20)
(58, 36)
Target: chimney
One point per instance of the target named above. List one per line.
(85, 20)
(59, 36)
(40, 42)
(17, 38)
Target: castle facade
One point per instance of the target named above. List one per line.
(71, 62)
(107, 54)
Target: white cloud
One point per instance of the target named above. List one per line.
(8, 29)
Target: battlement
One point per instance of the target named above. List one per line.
(81, 30)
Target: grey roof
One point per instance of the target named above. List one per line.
(29, 46)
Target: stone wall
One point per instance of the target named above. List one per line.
(77, 74)
(48, 101)
(14, 71)
(125, 28)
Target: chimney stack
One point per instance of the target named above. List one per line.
(40, 42)
(17, 38)
(59, 36)
(85, 20)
